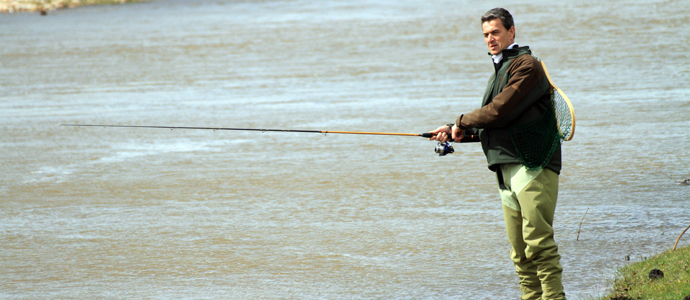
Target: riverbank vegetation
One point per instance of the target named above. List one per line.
(662, 277)
(11, 6)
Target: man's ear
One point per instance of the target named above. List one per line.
(512, 32)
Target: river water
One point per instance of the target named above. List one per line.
(199, 214)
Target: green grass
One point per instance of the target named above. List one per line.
(633, 282)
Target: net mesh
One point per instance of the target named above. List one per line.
(563, 114)
(537, 141)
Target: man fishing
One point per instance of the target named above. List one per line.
(517, 104)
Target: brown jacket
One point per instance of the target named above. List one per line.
(525, 71)
(518, 92)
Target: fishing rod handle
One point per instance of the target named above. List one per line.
(468, 138)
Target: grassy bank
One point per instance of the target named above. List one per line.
(11, 6)
(634, 282)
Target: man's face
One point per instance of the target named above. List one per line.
(496, 36)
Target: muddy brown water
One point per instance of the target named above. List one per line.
(200, 214)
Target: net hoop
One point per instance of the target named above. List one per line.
(565, 117)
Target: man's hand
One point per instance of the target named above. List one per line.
(445, 133)
(458, 133)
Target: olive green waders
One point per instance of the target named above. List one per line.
(529, 203)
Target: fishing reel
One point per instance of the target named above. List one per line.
(444, 148)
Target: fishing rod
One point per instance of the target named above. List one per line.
(442, 149)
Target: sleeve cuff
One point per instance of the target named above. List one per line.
(458, 122)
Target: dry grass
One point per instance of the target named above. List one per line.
(11, 6)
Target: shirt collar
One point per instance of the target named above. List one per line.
(497, 58)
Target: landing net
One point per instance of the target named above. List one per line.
(537, 141)
(565, 114)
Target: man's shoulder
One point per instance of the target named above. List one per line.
(526, 62)
(527, 58)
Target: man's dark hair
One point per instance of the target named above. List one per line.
(499, 13)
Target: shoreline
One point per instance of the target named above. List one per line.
(663, 277)
(43, 6)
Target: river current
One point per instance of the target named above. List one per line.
(114, 213)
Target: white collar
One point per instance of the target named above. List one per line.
(497, 58)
